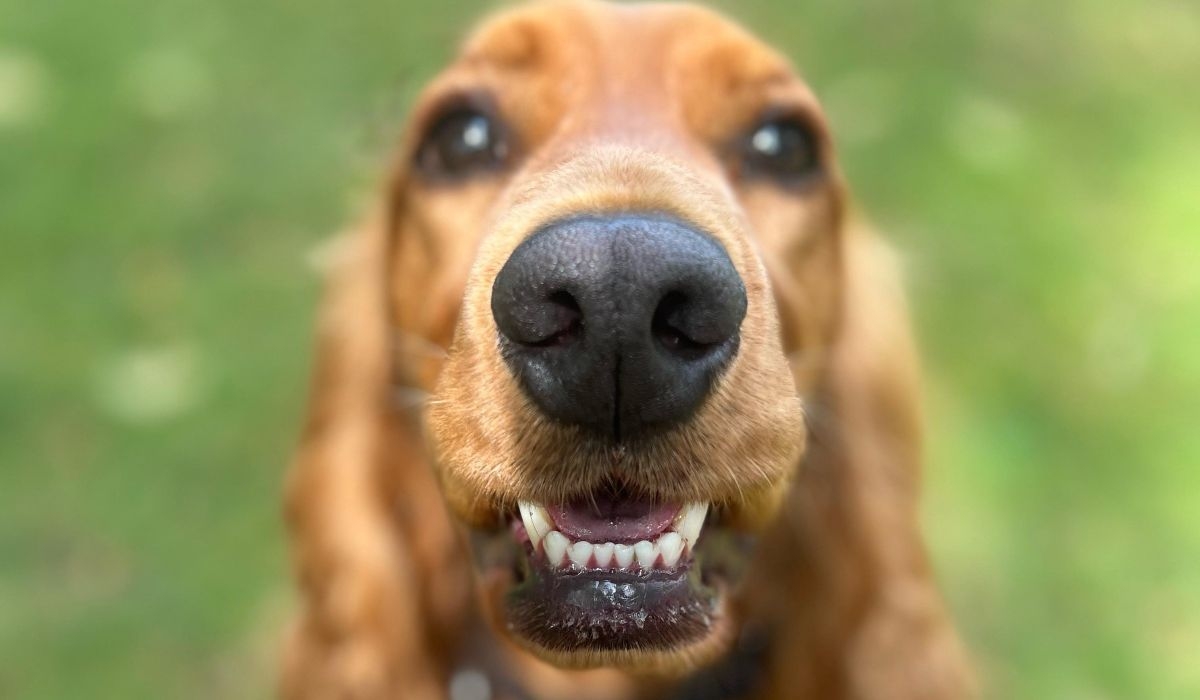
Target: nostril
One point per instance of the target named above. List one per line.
(564, 321)
(694, 326)
(670, 328)
(533, 312)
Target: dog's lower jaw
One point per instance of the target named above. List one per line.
(669, 664)
(658, 623)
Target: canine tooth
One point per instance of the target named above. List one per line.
(580, 553)
(689, 521)
(623, 556)
(536, 520)
(646, 554)
(671, 546)
(555, 546)
(603, 554)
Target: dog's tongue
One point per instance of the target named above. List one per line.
(606, 519)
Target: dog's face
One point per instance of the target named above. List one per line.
(605, 212)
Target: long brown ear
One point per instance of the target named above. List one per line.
(865, 608)
(904, 645)
(375, 556)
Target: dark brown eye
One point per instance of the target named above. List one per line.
(782, 149)
(462, 143)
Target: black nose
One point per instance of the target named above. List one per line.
(618, 324)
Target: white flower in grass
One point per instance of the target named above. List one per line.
(24, 84)
(149, 385)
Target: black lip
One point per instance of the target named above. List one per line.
(610, 610)
(578, 611)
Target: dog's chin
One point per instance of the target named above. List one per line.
(646, 590)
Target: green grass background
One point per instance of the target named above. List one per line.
(166, 169)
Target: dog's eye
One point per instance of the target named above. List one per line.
(783, 149)
(462, 143)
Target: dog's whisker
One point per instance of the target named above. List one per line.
(812, 351)
(408, 397)
(818, 418)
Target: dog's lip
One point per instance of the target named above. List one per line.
(610, 519)
(590, 611)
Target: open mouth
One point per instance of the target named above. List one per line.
(612, 535)
(611, 573)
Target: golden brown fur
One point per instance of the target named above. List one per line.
(388, 603)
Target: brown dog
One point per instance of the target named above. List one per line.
(665, 392)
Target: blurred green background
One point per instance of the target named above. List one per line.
(168, 168)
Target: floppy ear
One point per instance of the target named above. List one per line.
(904, 645)
(865, 607)
(382, 588)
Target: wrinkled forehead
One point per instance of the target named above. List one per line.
(645, 69)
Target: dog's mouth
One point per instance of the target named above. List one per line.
(610, 578)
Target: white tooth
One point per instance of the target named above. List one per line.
(555, 546)
(580, 553)
(603, 554)
(689, 521)
(646, 554)
(671, 546)
(536, 520)
(623, 556)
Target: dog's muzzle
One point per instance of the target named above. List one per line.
(618, 326)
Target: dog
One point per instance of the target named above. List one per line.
(614, 395)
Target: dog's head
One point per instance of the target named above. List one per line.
(622, 221)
